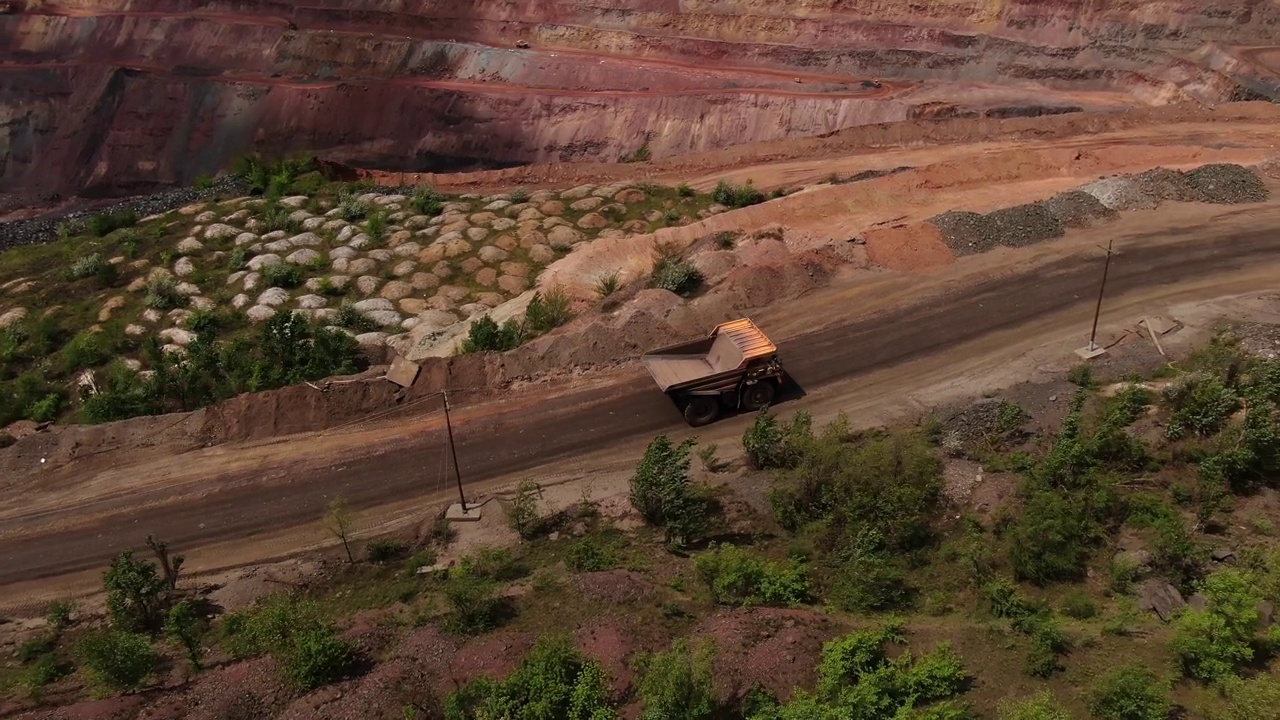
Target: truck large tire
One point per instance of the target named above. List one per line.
(758, 395)
(701, 410)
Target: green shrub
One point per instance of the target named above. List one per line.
(282, 275)
(117, 660)
(277, 217)
(1201, 404)
(37, 647)
(376, 225)
(770, 444)
(352, 208)
(92, 265)
(385, 550)
(1130, 692)
(318, 657)
(88, 349)
(736, 196)
(676, 684)
(590, 554)
(858, 679)
(607, 284)
(136, 593)
(1212, 644)
(1257, 698)
(1076, 604)
(473, 599)
(236, 260)
(184, 625)
(48, 669)
(58, 614)
(672, 273)
(545, 314)
(352, 319)
(1054, 538)
(103, 224)
(426, 201)
(46, 408)
(684, 190)
(485, 335)
(662, 494)
(735, 576)
(1082, 376)
(1040, 706)
(524, 517)
(552, 682)
(162, 294)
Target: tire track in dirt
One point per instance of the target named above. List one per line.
(577, 422)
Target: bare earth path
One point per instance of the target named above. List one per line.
(208, 498)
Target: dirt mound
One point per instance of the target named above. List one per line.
(981, 426)
(966, 233)
(247, 689)
(1163, 184)
(614, 587)
(1076, 209)
(908, 247)
(776, 648)
(1023, 225)
(1120, 193)
(1227, 184)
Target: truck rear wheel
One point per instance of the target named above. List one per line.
(701, 410)
(758, 395)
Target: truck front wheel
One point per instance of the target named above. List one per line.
(758, 395)
(701, 410)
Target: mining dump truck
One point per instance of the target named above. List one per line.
(735, 367)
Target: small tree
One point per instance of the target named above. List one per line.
(662, 494)
(473, 598)
(1214, 642)
(117, 660)
(1041, 706)
(136, 594)
(1132, 692)
(524, 510)
(338, 521)
(677, 684)
(184, 626)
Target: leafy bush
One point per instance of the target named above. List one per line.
(607, 285)
(662, 494)
(676, 684)
(524, 517)
(236, 260)
(1076, 604)
(1035, 620)
(736, 576)
(1130, 692)
(1257, 698)
(352, 208)
(1201, 404)
(162, 293)
(1041, 706)
(590, 554)
(117, 660)
(48, 669)
(318, 657)
(58, 614)
(552, 682)
(351, 318)
(136, 593)
(1213, 643)
(858, 679)
(184, 625)
(92, 266)
(736, 196)
(295, 632)
(426, 201)
(545, 314)
(103, 224)
(376, 225)
(87, 349)
(485, 335)
(473, 599)
(46, 408)
(672, 273)
(277, 217)
(282, 275)
(1054, 538)
(385, 550)
(770, 444)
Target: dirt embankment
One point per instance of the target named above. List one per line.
(120, 97)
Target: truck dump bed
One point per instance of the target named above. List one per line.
(732, 346)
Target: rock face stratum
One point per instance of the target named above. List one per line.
(108, 97)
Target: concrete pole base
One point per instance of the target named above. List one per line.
(456, 513)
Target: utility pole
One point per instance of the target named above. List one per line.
(1092, 350)
(462, 512)
(453, 451)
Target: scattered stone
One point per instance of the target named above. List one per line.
(477, 234)
(246, 239)
(335, 226)
(502, 224)
(294, 201)
(220, 231)
(360, 242)
(490, 299)
(471, 310)
(424, 281)
(486, 277)
(260, 313)
(258, 262)
(454, 248)
(361, 266)
(178, 336)
(341, 265)
(187, 289)
(313, 223)
(207, 216)
(534, 237)
(299, 215)
(390, 199)
(550, 223)
(273, 296)
(577, 193)
(517, 269)
(470, 265)
(104, 313)
(1223, 554)
(339, 281)
(183, 267)
(966, 233)
(346, 234)
(11, 317)
(587, 204)
(134, 330)
(151, 315)
(274, 235)
(550, 207)
(498, 205)
(396, 289)
(398, 237)
(312, 302)
(442, 269)
(373, 304)
(412, 306)
(542, 254)
(251, 280)
(562, 238)
(239, 301)
(404, 268)
(506, 242)
(432, 253)
(190, 245)
(305, 256)
(1076, 209)
(381, 254)
(342, 252)
(407, 249)
(367, 285)
(278, 246)
(630, 196)
(1161, 597)
(453, 292)
(384, 318)
(306, 239)
(491, 254)
(482, 218)
(417, 222)
(512, 285)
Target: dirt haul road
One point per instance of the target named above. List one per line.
(54, 540)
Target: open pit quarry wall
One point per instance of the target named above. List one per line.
(110, 97)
